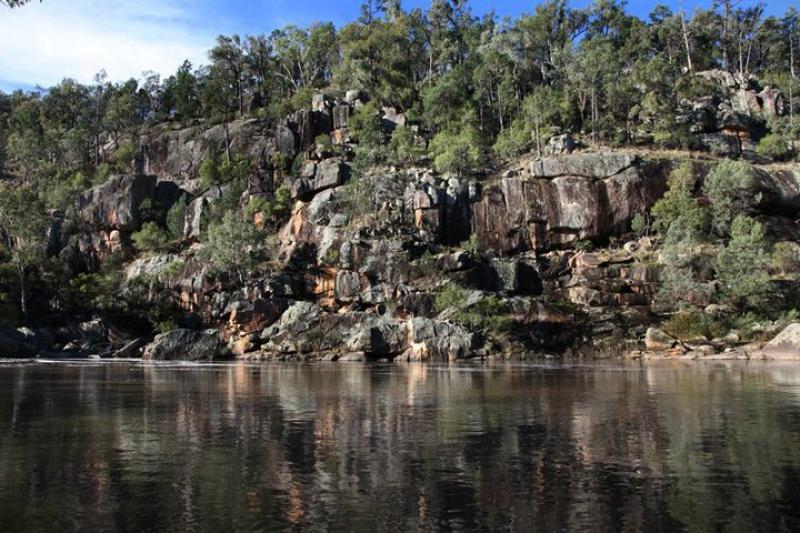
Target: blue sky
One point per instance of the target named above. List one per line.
(45, 42)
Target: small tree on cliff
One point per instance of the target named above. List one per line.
(458, 150)
(729, 188)
(233, 244)
(23, 226)
(743, 265)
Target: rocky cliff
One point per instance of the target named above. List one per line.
(533, 258)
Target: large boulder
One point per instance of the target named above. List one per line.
(378, 337)
(437, 341)
(184, 345)
(656, 340)
(786, 345)
(252, 317)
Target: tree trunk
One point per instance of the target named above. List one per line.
(685, 32)
(227, 139)
(791, 76)
(241, 97)
(23, 293)
(537, 129)
(594, 115)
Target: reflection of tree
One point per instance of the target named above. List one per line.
(733, 444)
(398, 448)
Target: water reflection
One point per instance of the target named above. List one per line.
(399, 448)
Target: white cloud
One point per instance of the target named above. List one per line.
(43, 43)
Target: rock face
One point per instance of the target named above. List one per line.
(356, 276)
(184, 345)
(566, 199)
(316, 177)
(305, 330)
(252, 317)
(431, 340)
(786, 345)
(114, 205)
(177, 154)
(733, 113)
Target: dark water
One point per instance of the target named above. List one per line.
(404, 448)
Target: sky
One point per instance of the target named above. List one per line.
(45, 42)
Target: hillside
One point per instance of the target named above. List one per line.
(416, 214)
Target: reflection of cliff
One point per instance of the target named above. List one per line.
(399, 447)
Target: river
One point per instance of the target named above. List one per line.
(352, 447)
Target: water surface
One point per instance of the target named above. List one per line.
(350, 447)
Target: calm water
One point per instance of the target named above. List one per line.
(100, 447)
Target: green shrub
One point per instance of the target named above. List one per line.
(729, 189)
(323, 143)
(679, 202)
(176, 218)
(514, 140)
(450, 296)
(365, 127)
(743, 265)
(786, 258)
(403, 145)
(233, 244)
(639, 224)
(123, 155)
(301, 99)
(275, 210)
(297, 164)
(280, 164)
(459, 151)
(166, 326)
(151, 211)
(209, 171)
(677, 277)
(774, 146)
(691, 325)
(150, 238)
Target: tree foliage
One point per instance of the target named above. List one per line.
(729, 189)
(743, 265)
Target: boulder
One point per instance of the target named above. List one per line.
(184, 345)
(436, 341)
(242, 345)
(327, 174)
(251, 317)
(656, 340)
(379, 337)
(353, 96)
(562, 144)
(786, 345)
(341, 116)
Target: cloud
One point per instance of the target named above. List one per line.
(43, 43)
